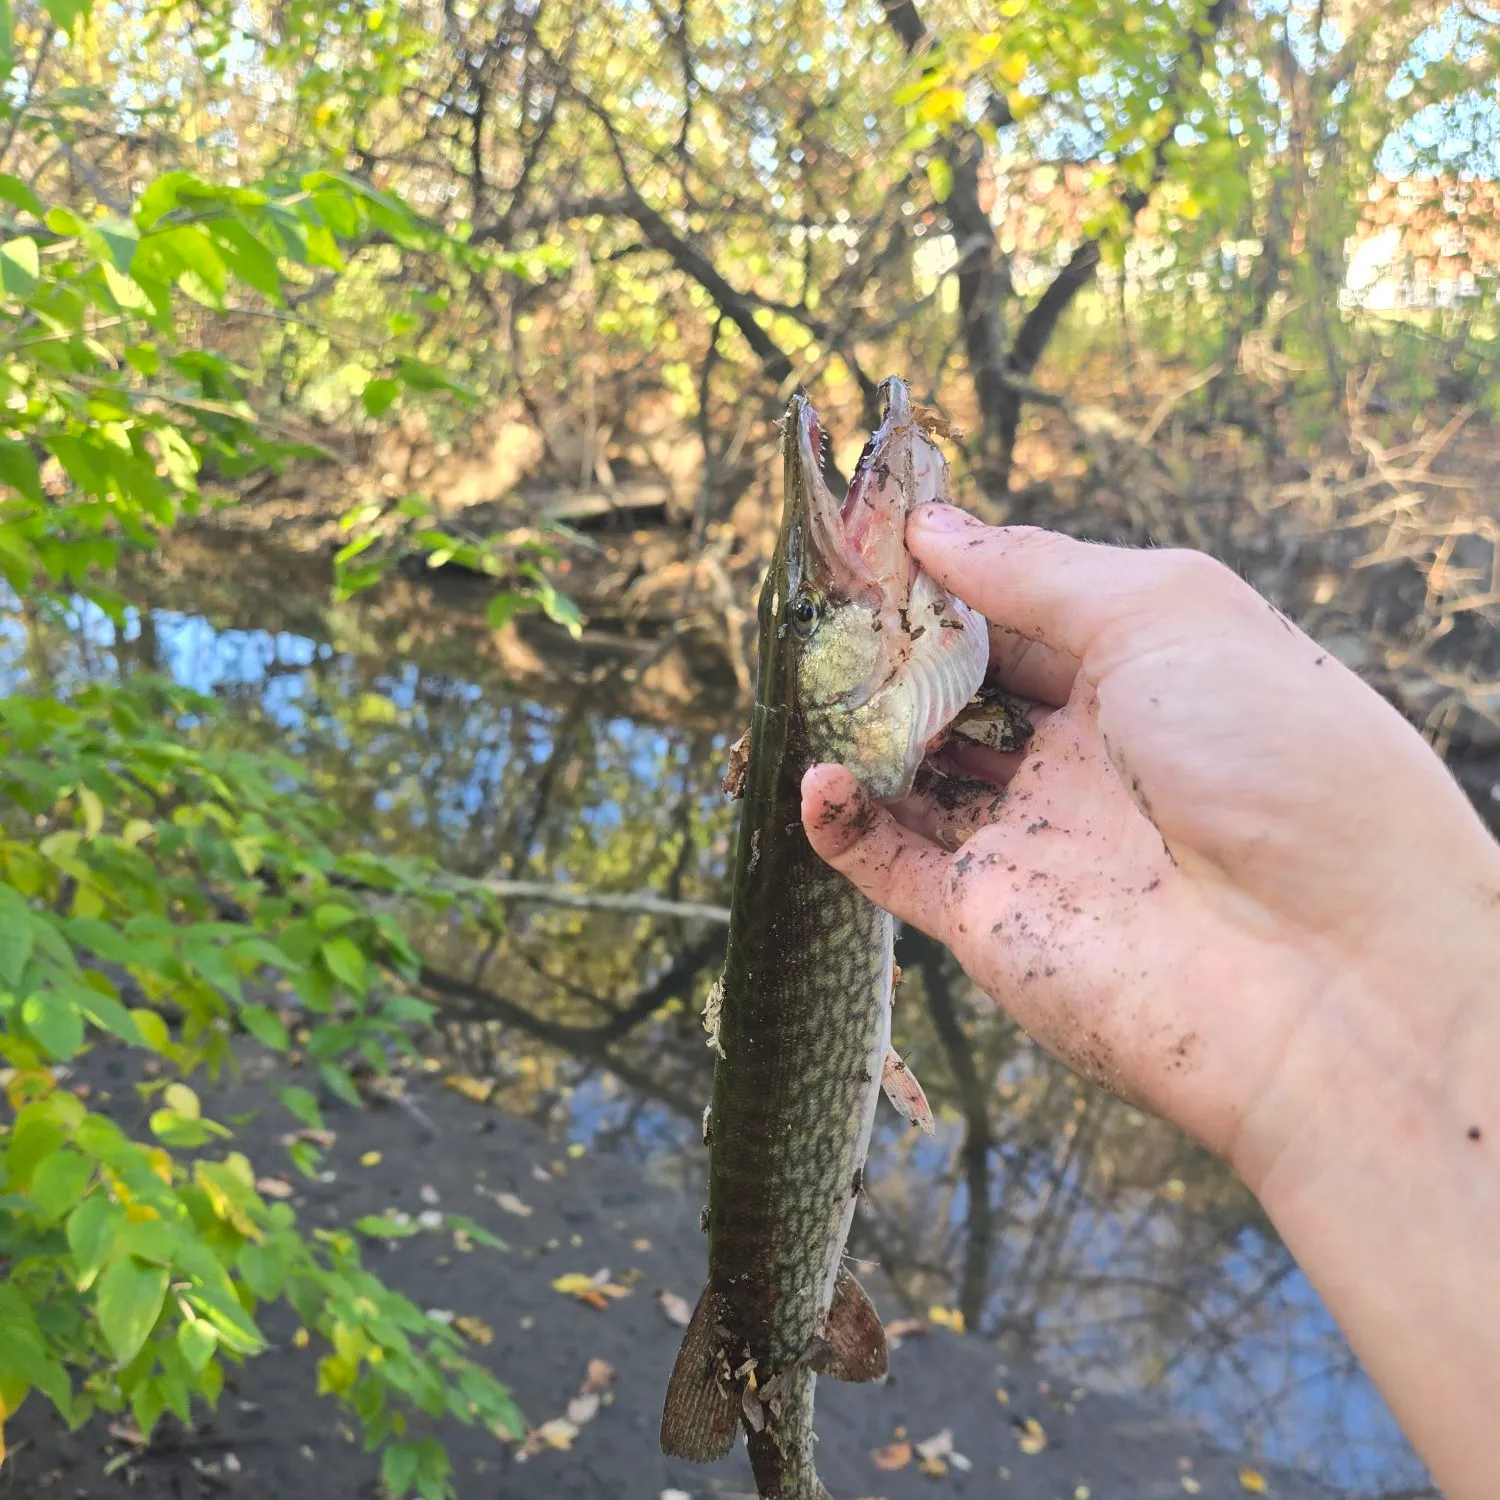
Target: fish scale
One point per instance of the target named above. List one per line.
(800, 1018)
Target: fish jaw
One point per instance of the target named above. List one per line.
(887, 658)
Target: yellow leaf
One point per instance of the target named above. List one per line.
(1013, 69)
(1033, 1437)
(940, 106)
(182, 1100)
(370, 1159)
(301, 1338)
(946, 1317)
(477, 1089)
(1190, 1484)
(892, 1456)
(1174, 1190)
(93, 811)
(575, 1150)
(1253, 1480)
(476, 1330)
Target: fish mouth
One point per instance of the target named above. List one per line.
(856, 542)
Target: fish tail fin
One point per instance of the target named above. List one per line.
(855, 1346)
(701, 1415)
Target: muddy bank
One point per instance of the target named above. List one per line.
(271, 1436)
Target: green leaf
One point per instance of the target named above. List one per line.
(65, 12)
(53, 1019)
(197, 1340)
(19, 469)
(388, 1226)
(15, 935)
(345, 962)
(263, 1268)
(18, 193)
(7, 40)
(939, 178)
(128, 1301)
(398, 1468)
(107, 1014)
(59, 1182)
(303, 1105)
(247, 258)
(332, 915)
(265, 1026)
(91, 1229)
(20, 266)
(421, 376)
(378, 395)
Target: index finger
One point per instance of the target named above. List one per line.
(1065, 593)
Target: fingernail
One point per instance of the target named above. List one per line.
(938, 519)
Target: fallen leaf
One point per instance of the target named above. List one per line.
(274, 1187)
(676, 1308)
(508, 1201)
(1002, 1395)
(641, 1245)
(558, 1433)
(476, 1330)
(674, 1495)
(1081, 1492)
(904, 1328)
(323, 1139)
(946, 1317)
(370, 1159)
(1253, 1480)
(576, 1150)
(1174, 1190)
(477, 1089)
(428, 1194)
(596, 1290)
(127, 1432)
(540, 1173)
(600, 1374)
(961, 1462)
(461, 1240)
(1190, 1484)
(1033, 1437)
(939, 1446)
(584, 1408)
(301, 1339)
(933, 1468)
(892, 1456)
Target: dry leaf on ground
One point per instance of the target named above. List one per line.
(1033, 1437)
(274, 1187)
(892, 1456)
(477, 1089)
(476, 1330)
(676, 1308)
(596, 1290)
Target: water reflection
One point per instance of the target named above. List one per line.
(1057, 1219)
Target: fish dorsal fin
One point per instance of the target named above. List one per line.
(701, 1416)
(855, 1338)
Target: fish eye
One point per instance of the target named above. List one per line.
(804, 614)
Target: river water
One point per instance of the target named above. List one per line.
(1048, 1215)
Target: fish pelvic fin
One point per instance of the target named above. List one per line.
(701, 1416)
(854, 1345)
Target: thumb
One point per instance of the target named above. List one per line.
(897, 869)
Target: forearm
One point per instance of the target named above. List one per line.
(1389, 1193)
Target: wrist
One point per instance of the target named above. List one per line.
(1385, 1183)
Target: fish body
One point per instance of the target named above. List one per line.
(863, 660)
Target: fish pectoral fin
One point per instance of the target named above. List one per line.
(701, 1415)
(853, 1346)
(905, 1093)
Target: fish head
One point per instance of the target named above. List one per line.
(874, 655)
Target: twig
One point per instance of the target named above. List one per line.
(643, 902)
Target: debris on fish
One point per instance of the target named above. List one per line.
(906, 1093)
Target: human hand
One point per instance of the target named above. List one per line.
(1231, 883)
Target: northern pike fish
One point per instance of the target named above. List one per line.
(864, 660)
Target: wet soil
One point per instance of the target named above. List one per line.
(271, 1436)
